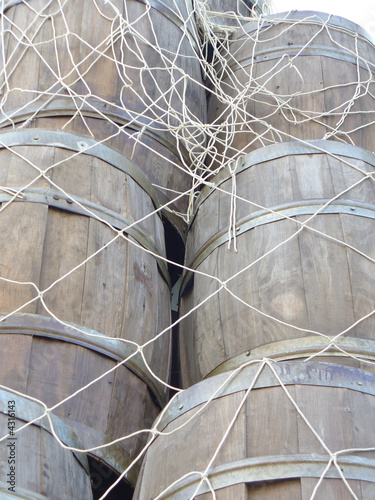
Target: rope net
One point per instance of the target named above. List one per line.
(250, 137)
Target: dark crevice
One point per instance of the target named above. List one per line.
(102, 477)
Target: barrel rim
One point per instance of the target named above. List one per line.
(112, 347)
(362, 349)
(273, 468)
(28, 410)
(289, 372)
(310, 17)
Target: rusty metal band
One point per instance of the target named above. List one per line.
(273, 468)
(21, 494)
(87, 146)
(286, 350)
(284, 150)
(284, 212)
(305, 17)
(79, 206)
(92, 109)
(308, 373)
(300, 51)
(27, 410)
(114, 348)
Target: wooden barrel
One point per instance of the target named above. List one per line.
(33, 464)
(296, 75)
(287, 281)
(83, 284)
(270, 451)
(137, 71)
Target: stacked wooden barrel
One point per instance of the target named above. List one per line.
(94, 95)
(102, 118)
(269, 422)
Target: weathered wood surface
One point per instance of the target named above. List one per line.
(298, 78)
(120, 292)
(267, 430)
(310, 282)
(119, 80)
(41, 465)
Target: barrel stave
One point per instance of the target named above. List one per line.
(26, 266)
